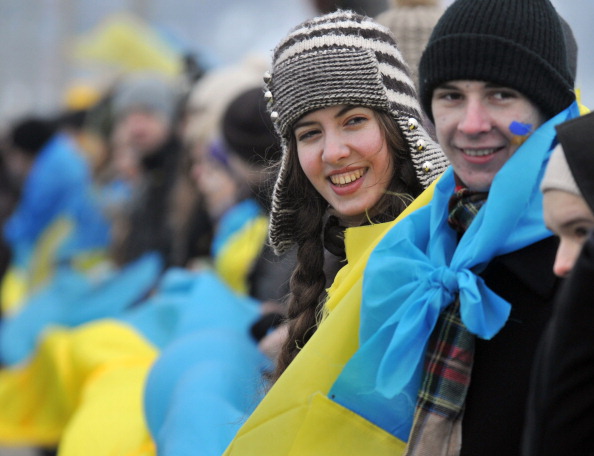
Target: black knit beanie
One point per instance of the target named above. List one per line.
(577, 136)
(515, 43)
(247, 128)
(572, 47)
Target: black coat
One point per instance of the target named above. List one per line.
(560, 417)
(496, 402)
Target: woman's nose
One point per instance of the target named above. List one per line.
(335, 148)
(565, 259)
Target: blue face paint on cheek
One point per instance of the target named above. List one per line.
(519, 128)
(521, 131)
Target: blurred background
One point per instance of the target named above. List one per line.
(47, 47)
(69, 59)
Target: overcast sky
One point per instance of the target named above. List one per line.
(34, 38)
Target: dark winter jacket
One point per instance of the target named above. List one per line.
(497, 396)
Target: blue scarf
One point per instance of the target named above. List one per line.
(418, 268)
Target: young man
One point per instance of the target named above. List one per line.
(456, 296)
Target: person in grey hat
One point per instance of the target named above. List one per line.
(354, 153)
(144, 108)
(354, 150)
(145, 105)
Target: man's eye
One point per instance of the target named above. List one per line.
(504, 95)
(448, 96)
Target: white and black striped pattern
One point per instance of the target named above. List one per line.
(327, 39)
(326, 77)
(341, 58)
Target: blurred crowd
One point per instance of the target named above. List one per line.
(124, 189)
(142, 304)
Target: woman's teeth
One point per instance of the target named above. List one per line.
(346, 178)
(478, 152)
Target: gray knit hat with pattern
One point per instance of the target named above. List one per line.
(335, 59)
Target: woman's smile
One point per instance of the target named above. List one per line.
(343, 152)
(347, 177)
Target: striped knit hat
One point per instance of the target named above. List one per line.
(341, 58)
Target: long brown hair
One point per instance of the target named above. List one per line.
(308, 280)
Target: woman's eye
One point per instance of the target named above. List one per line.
(356, 120)
(582, 231)
(305, 135)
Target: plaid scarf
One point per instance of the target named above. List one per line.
(437, 427)
(463, 206)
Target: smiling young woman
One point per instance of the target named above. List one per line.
(344, 154)
(354, 150)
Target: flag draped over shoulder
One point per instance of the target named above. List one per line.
(296, 417)
(240, 235)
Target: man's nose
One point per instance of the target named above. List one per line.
(476, 118)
